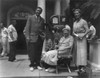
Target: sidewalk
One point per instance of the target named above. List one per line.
(20, 68)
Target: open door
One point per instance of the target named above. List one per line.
(21, 41)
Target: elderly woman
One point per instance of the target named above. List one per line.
(80, 30)
(65, 43)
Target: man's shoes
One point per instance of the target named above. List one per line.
(52, 70)
(31, 69)
(47, 69)
(38, 67)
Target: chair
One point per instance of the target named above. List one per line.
(64, 60)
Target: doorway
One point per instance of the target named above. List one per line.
(21, 41)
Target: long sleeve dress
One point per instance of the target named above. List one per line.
(80, 28)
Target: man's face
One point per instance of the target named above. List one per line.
(38, 11)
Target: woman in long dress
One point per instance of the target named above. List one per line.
(80, 30)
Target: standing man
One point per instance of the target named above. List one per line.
(12, 38)
(34, 35)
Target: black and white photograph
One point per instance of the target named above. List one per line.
(49, 38)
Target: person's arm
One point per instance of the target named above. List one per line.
(26, 29)
(93, 31)
(76, 35)
(42, 30)
(86, 29)
(11, 32)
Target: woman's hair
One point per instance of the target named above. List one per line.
(67, 27)
(77, 10)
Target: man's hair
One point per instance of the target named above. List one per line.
(40, 8)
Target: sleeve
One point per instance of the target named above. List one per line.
(68, 44)
(42, 29)
(9, 29)
(74, 30)
(94, 31)
(86, 27)
(26, 29)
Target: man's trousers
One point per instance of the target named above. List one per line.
(34, 52)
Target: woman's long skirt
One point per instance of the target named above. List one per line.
(81, 52)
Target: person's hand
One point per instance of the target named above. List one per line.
(80, 37)
(75, 35)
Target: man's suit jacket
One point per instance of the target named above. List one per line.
(34, 27)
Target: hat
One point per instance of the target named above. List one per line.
(67, 27)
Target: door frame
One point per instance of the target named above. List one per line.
(17, 8)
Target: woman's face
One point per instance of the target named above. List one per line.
(77, 14)
(66, 33)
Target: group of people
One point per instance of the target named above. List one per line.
(34, 32)
(8, 38)
(41, 48)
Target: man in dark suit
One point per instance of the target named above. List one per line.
(33, 31)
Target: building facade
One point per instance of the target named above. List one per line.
(19, 10)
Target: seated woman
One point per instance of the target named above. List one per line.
(65, 43)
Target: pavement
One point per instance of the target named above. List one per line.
(20, 69)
